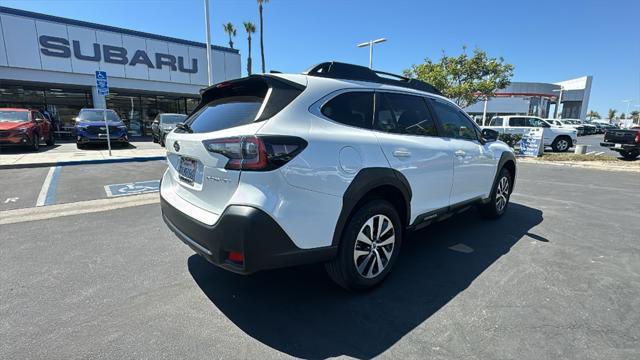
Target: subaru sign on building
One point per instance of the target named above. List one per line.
(48, 62)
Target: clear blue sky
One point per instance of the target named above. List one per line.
(547, 41)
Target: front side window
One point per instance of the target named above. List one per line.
(496, 121)
(404, 114)
(535, 122)
(351, 108)
(454, 123)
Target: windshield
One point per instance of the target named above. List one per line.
(14, 116)
(172, 119)
(98, 115)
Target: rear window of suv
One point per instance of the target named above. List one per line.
(240, 102)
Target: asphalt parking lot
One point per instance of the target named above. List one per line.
(557, 277)
(21, 188)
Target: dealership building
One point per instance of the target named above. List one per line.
(50, 62)
(538, 99)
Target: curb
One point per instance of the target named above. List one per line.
(83, 162)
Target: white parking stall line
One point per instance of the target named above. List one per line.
(42, 197)
(591, 153)
(599, 153)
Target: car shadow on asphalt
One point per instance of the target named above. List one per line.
(300, 312)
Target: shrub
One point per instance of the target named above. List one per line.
(510, 139)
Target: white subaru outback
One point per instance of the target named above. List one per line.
(334, 165)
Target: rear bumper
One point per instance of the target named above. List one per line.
(246, 230)
(623, 147)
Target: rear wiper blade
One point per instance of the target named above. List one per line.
(185, 127)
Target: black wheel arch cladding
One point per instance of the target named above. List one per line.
(366, 182)
(508, 161)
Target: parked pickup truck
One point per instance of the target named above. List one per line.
(626, 142)
(558, 138)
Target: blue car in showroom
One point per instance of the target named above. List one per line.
(91, 128)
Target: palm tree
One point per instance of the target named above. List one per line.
(231, 31)
(593, 114)
(612, 113)
(260, 4)
(250, 28)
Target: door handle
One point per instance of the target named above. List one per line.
(460, 153)
(401, 153)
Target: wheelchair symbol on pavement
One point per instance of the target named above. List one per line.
(134, 188)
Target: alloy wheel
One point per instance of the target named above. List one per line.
(374, 246)
(563, 145)
(502, 194)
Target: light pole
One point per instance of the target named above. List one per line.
(559, 101)
(484, 112)
(208, 26)
(370, 45)
(628, 101)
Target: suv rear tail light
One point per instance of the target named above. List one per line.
(256, 153)
(638, 137)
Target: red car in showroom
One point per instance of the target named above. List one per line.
(24, 127)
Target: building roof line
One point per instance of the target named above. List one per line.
(45, 17)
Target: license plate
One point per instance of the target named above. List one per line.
(618, 146)
(102, 136)
(187, 170)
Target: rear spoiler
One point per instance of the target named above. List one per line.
(280, 92)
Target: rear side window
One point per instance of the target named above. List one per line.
(405, 114)
(518, 121)
(240, 102)
(496, 121)
(351, 108)
(454, 123)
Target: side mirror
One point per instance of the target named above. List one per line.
(489, 135)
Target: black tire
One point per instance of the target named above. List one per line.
(154, 139)
(493, 209)
(344, 269)
(35, 142)
(80, 146)
(561, 144)
(124, 144)
(51, 140)
(630, 155)
(162, 137)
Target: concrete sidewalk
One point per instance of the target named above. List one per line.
(66, 154)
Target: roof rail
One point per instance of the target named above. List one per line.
(338, 70)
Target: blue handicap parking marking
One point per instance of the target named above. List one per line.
(133, 188)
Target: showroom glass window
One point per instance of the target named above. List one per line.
(351, 108)
(62, 104)
(403, 114)
(453, 122)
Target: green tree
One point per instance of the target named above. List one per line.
(250, 28)
(635, 115)
(622, 116)
(593, 115)
(231, 31)
(612, 113)
(260, 6)
(463, 78)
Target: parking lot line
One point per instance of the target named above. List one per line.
(47, 194)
